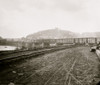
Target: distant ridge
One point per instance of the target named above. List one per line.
(90, 34)
(52, 34)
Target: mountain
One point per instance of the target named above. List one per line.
(90, 34)
(52, 34)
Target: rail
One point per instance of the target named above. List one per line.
(30, 54)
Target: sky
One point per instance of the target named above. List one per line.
(18, 18)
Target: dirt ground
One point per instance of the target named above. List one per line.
(73, 66)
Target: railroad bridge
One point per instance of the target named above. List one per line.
(56, 42)
(70, 40)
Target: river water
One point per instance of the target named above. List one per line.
(5, 48)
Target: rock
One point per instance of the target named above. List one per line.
(24, 67)
(13, 71)
(11, 83)
(20, 74)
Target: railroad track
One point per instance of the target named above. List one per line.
(69, 62)
(62, 71)
(27, 54)
(57, 68)
(70, 75)
(19, 51)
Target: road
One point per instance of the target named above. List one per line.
(74, 66)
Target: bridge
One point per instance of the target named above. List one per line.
(56, 42)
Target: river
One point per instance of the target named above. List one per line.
(5, 48)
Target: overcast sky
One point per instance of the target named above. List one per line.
(19, 18)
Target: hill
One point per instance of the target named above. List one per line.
(90, 34)
(52, 34)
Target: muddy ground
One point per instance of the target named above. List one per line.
(74, 66)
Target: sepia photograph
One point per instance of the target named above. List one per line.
(49, 42)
